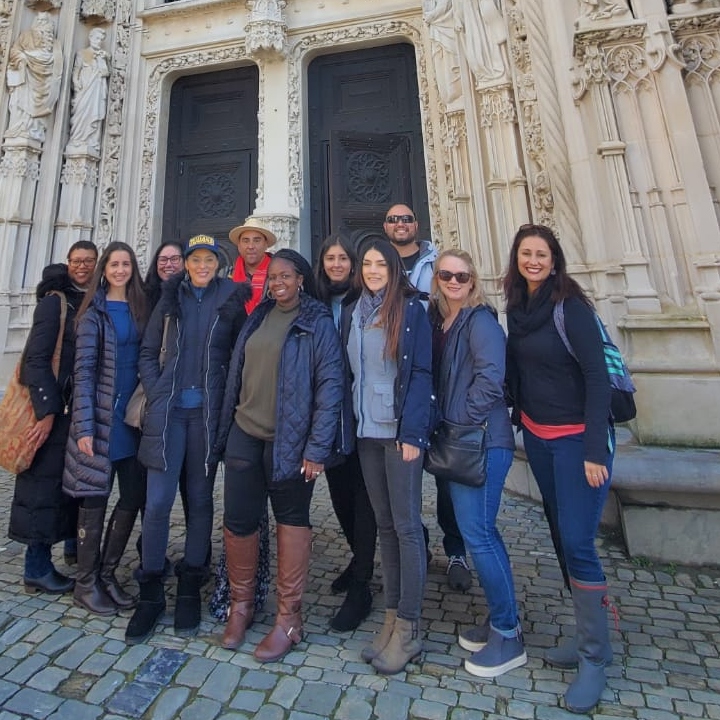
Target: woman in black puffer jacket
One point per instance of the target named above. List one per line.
(100, 445)
(41, 514)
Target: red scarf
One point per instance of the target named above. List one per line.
(257, 281)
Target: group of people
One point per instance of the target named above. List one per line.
(284, 373)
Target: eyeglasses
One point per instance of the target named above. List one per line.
(86, 262)
(169, 260)
(461, 277)
(395, 219)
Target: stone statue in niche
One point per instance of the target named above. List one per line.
(604, 9)
(482, 33)
(89, 102)
(267, 10)
(34, 72)
(438, 15)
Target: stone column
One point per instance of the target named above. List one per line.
(266, 42)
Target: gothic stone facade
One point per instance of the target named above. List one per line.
(599, 118)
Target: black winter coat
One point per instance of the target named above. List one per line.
(92, 409)
(40, 511)
(227, 312)
(310, 388)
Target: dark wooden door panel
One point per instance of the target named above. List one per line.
(367, 172)
(211, 167)
(366, 146)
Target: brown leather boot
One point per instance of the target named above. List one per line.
(370, 652)
(294, 545)
(241, 555)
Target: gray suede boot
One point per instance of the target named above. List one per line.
(405, 645)
(590, 603)
(370, 652)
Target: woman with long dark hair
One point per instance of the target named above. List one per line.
(469, 371)
(335, 274)
(110, 323)
(562, 404)
(277, 427)
(166, 262)
(387, 336)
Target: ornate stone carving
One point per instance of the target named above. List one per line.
(97, 9)
(685, 7)
(80, 171)
(113, 137)
(438, 14)
(266, 31)
(497, 105)
(34, 73)
(599, 10)
(89, 102)
(199, 58)
(455, 132)
(20, 163)
(335, 38)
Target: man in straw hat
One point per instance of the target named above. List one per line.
(252, 241)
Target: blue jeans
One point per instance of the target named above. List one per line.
(38, 560)
(185, 438)
(572, 506)
(395, 491)
(476, 511)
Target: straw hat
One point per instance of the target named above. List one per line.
(252, 223)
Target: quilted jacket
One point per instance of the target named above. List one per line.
(310, 388)
(94, 393)
(224, 308)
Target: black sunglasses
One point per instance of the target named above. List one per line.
(461, 277)
(395, 219)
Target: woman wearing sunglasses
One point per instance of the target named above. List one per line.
(469, 371)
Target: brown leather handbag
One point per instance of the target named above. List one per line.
(17, 416)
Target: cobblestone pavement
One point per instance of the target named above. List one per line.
(58, 661)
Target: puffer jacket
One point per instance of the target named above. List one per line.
(94, 394)
(309, 393)
(414, 402)
(472, 373)
(40, 511)
(421, 274)
(224, 306)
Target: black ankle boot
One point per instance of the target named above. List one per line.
(355, 608)
(149, 610)
(342, 582)
(187, 605)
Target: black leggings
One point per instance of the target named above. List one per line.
(132, 485)
(248, 485)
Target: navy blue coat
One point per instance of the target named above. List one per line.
(94, 395)
(40, 511)
(310, 388)
(224, 307)
(413, 393)
(472, 374)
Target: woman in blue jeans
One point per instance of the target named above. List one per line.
(563, 407)
(469, 372)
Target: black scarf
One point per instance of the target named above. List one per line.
(533, 313)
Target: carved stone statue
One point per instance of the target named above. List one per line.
(266, 32)
(89, 103)
(438, 15)
(604, 9)
(267, 10)
(482, 33)
(34, 72)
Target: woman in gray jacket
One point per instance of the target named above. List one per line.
(469, 372)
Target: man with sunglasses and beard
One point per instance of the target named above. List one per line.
(418, 258)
